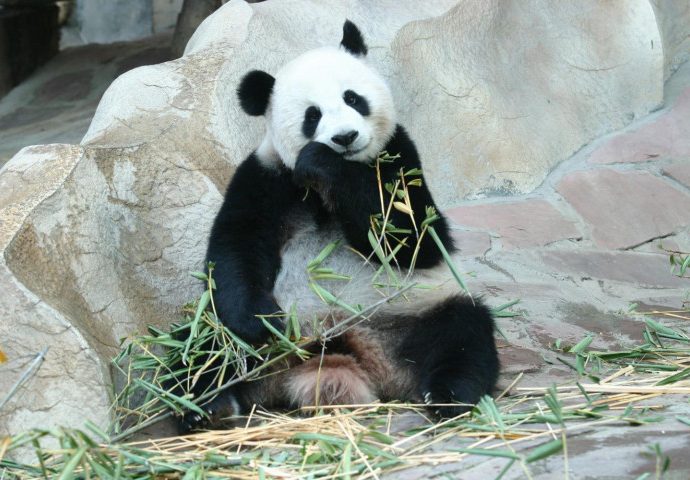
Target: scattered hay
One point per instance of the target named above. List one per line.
(367, 441)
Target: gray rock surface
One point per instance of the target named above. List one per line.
(501, 95)
(520, 224)
(673, 18)
(72, 384)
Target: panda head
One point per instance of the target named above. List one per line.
(328, 95)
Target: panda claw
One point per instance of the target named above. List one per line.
(192, 421)
(217, 414)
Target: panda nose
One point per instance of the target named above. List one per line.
(345, 139)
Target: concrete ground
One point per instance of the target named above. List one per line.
(577, 252)
(56, 104)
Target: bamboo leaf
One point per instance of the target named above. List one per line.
(545, 450)
(684, 420)
(661, 329)
(96, 430)
(381, 256)
(448, 259)
(684, 265)
(413, 172)
(504, 306)
(170, 397)
(200, 276)
(194, 327)
(400, 206)
(323, 255)
(329, 298)
(68, 471)
(347, 461)
(582, 345)
(244, 346)
(489, 453)
(286, 341)
(293, 321)
(685, 373)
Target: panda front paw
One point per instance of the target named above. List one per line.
(244, 320)
(317, 166)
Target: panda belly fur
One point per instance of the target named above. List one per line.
(366, 363)
(292, 283)
(292, 290)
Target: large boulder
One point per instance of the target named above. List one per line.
(98, 240)
(500, 94)
(71, 384)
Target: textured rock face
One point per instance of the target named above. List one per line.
(72, 383)
(673, 18)
(97, 241)
(105, 240)
(500, 94)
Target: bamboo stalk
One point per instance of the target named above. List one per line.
(594, 388)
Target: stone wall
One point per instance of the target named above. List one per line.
(108, 21)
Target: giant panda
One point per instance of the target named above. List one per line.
(311, 182)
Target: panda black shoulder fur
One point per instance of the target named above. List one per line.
(309, 183)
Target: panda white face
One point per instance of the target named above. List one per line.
(327, 95)
(332, 97)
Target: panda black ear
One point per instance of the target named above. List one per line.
(353, 41)
(254, 92)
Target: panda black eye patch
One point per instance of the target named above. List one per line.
(356, 101)
(312, 115)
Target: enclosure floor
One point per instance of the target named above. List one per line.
(57, 102)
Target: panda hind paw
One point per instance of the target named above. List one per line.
(443, 403)
(220, 413)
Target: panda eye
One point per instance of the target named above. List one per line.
(313, 114)
(350, 97)
(357, 102)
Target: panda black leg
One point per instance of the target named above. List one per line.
(452, 347)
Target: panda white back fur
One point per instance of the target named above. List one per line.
(310, 183)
